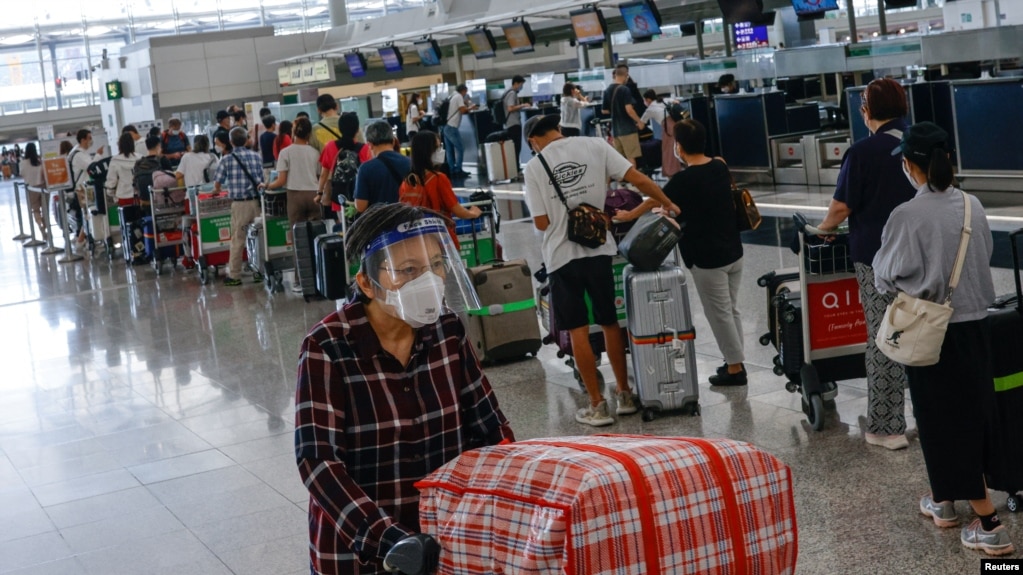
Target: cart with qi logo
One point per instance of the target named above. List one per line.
(833, 325)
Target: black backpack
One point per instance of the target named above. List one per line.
(342, 177)
(143, 175)
(443, 113)
(500, 114)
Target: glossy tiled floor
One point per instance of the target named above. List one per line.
(146, 426)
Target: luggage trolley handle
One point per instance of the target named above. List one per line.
(491, 213)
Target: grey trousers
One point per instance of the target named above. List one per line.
(886, 380)
(718, 289)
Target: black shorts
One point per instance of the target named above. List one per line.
(593, 276)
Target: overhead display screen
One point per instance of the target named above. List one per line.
(814, 6)
(519, 36)
(749, 36)
(482, 43)
(589, 26)
(642, 19)
(429, 53)
(356, 64)
(391, 58)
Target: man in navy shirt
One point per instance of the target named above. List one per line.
(378, 180)
(266, 140)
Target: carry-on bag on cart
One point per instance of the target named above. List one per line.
(502, 163)
(304, 235)
(776, 282)
(650, 241)
(133, 244)
(661, 340)
(612, 505)
(1005, 318)
(506, 326)
(331, 266)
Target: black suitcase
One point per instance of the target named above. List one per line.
(133, 244)
(304, 235)
(1005, 318)
(788, 311)
(774, 282)
(331, 267)
(649, 242)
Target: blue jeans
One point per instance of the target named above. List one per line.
(454, 150)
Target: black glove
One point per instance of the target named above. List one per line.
(414, 555)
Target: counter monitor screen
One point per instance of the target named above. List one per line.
(642, 19)
(804, 7)
(589, 26)
(482, 43)
(519, 36)
(749, 36)
(688, 29)
(890, 4)
(735, 11)
(356, 64)
(392, 58)
(429, 52)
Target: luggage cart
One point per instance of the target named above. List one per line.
(211, 231)
(834, 328)
(275, 249)
(167, 208)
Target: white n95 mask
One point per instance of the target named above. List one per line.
(420, 301)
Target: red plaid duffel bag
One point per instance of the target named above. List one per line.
(613, 505)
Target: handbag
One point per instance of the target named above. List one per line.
(747, 215)
(587, 225)
(913, 329)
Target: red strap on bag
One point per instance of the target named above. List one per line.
(651, 555)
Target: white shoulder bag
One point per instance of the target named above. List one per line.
(913, 329)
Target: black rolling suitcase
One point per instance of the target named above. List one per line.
(304, 236)
(133, 242)
(784, 321)
(786, 279)
(331, 267)
(1005, 318)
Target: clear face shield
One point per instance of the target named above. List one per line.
(417, 273)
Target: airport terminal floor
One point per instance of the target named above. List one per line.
(146, 422)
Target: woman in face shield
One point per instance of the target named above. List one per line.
(389, 389)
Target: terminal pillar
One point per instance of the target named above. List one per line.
(338, 12)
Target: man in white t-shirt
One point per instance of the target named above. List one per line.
(582, 168)
(453, 146)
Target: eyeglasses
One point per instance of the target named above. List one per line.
(410, 272)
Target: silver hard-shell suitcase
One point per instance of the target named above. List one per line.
(661, 340)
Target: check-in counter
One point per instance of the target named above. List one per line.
(988, 116)
(789, 160)
(830, 149)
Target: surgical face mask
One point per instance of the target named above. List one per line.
(419, 301)
(175, 132)
(219, 149)
(681, 161)
(438, 156)
(909, 175)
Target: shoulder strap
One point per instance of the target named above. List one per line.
(390, 168)
(964, 240)
(329, 129)
(554, 181)
(71, 166)
(255, 186)
(895, 133)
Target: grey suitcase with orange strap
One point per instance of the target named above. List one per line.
(661, 340)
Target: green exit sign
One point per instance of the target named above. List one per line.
(114, 91)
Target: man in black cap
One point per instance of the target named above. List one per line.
(581, 167)
(224, 121)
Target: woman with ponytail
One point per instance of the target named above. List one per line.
(953, 399)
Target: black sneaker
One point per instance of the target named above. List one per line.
(231, 282)
(729, 379)
(256, 277)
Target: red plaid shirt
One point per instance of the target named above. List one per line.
(366, 429)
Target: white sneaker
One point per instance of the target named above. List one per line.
(296, 288)
(595, 416)
(626, 403)
(892, 442)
